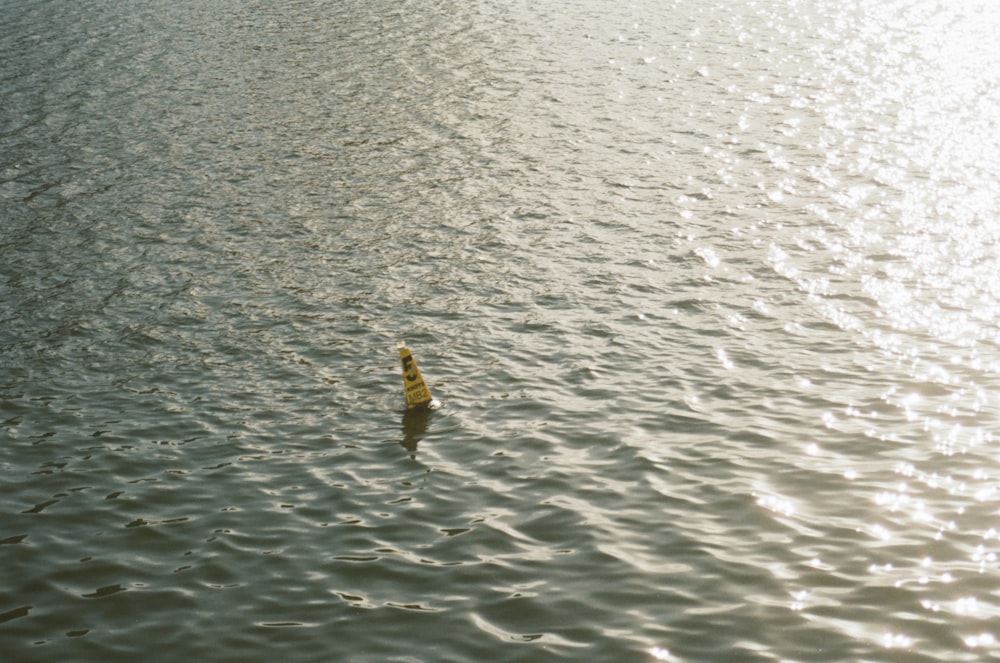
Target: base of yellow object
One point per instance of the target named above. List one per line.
(418, 395)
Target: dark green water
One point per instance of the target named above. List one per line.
(709, 292)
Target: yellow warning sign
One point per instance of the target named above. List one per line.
(417, 393)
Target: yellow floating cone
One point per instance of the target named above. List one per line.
(417, 393)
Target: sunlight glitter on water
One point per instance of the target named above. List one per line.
(660, 654)
(939, 158)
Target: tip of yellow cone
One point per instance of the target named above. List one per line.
(418, 395)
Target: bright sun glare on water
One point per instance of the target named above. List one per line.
(913, 170)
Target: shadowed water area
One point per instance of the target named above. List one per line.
(709, 293)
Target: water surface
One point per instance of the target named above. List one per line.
(709, 293)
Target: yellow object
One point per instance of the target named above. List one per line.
(417, 393)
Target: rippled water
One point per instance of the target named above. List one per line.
(709, 292)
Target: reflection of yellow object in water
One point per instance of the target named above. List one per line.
(415, 421)
(417, 393)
